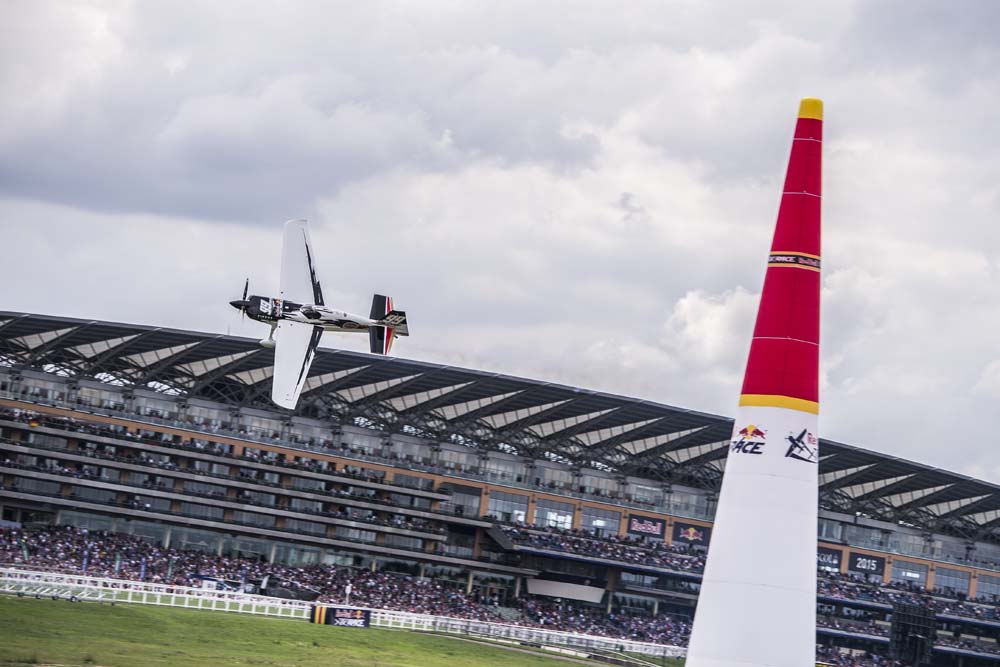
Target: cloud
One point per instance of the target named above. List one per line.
(581, 194)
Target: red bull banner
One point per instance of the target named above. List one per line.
(344, 617)
(688, 533)
(646, 525)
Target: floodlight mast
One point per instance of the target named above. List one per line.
(757, 604)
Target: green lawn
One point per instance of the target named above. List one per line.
(57, 632)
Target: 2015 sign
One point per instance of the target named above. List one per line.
(866, 564)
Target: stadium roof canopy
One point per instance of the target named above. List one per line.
(487, 411)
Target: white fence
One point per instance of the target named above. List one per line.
(52, 584)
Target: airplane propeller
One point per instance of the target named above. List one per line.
(242, 304)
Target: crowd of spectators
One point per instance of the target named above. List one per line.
(122, 556)
(847, 587)
(130, 557)
(834, 656)
(609, 547)
(855, 625)
(568, 616)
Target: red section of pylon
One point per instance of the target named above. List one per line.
(784, 354)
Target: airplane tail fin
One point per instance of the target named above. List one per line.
(389, 324)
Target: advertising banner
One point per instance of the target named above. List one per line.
(689, 533)
(646, 525)
(345, 617)
(866, 564)
(829, 559)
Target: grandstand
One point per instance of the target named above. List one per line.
(155, 454)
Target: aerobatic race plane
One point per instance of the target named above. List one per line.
(299, 317)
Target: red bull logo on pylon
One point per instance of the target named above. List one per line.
(751, 432)
(750, 440)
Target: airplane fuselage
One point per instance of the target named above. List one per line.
(270, 311)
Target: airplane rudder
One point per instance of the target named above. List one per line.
(379, 302)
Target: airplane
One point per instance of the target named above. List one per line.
(299, 317)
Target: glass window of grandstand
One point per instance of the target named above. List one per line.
(686, 503)
(253, 519)
(360, 443)
(304, 505)
(556, 478)
(53, 442)
(635, 605)
(911, 544)
(311, 464)
(404, 542)
(354, 534)
(600, 521)
(345, 559)
(605, 487)
(410, 501)
(41, 390)
(245, 547)
(508, 507)
(294, 555)
(204, 489)
(260, 427)
(450, 576)
(104, 496)
(863, 536)
(397, 566)
(988, 554)
(504, 470)
(207, 417)
(553, 478)
(554, 514)
(464, 499)
(988, 588)
(904, 572)
(410, 452)
(187, 539)
(460, 544)
(451, 459)
(952, 582)
(155, 407)
(831, 531)
(307, 434)
(412, 481)
(644, 495)
(950, 549)
(39, 486)
(100, 398)
(305, 527)
(92, 522)
(201, 511)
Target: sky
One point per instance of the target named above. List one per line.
(578, 192)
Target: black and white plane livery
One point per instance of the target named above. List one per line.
(300, 316)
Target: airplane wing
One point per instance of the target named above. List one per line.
(294, 349)
(299, 283)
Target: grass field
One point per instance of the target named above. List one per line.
(57, 632)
